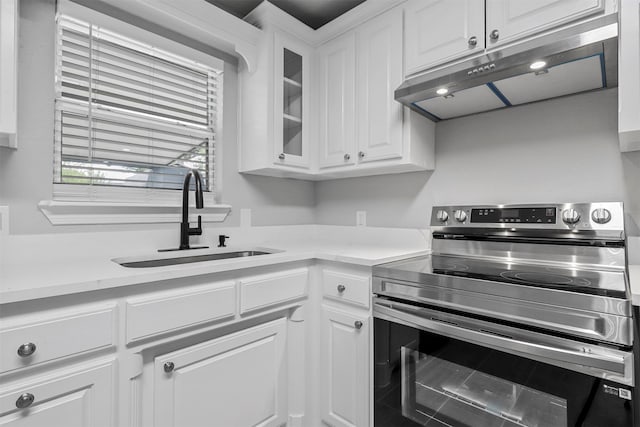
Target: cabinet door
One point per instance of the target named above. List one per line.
(508, 20)
(629, 77)
(345, 369)
(337, 102)
(236, 380)
(291, 99)
(379, 71)
(80, 398)
(8, 72)
(438, 31)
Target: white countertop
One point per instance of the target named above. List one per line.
(34, 267)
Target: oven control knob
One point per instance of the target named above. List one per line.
(601, 216)
(460, 215)
(570, 216)
(442, 216)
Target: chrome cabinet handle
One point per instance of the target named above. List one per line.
(25, 400)
(494, 35)
(361, 154)
(281, 156)
(341, 288)
(358, 324)
(473, 41)
(347, 156)
(169, 367)
(27, 349)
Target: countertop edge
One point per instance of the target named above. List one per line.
(9, 296)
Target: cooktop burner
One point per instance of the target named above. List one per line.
(545, 278)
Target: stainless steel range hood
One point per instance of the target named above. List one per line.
(576, 59)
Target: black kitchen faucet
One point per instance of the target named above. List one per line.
(185, 229)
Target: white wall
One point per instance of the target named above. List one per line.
(555, 151)
(26, 174)
(561, 150)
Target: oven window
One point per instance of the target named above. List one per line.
(425, 379)
(436, 388)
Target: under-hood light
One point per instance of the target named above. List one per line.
(538, 65)
(442, 91)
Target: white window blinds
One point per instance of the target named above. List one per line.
(129, 114)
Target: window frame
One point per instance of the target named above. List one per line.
(95, 204)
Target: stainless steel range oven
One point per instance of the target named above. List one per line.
(521, 316)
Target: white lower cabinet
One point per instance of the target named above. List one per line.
(629, 77)
(344, 368)
(237, 380)
(82, 397)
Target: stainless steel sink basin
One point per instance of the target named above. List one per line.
(161, 262)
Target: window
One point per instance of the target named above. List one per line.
(129, 117)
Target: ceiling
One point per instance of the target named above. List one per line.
(314, 13)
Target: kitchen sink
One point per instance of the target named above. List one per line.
(161, 262)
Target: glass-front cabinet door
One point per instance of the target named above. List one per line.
(291, 109)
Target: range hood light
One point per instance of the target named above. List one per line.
(538, 65)
(442, 91)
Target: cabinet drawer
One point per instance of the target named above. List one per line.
(270, 289)
(56, 336)
(79, 397)
(164, 312)
(346, 287)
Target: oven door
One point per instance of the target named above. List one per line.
(434, 368)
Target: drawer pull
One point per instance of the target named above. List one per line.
(26, 350)
(169, 367)
(358, 324)
(341, 288)
(25, 400)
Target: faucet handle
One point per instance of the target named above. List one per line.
(196, 231)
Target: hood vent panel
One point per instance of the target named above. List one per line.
(461, 103)
(572, 77)
(577, 59)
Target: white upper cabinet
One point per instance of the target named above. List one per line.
(441, 30)
(629, 77)
(508, 20)
(363, 130)
(335, 118)
(379, 71)
(336, 59)
(291, 97)
(8, 72)
(274, 99)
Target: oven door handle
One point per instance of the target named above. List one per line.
(453, 326)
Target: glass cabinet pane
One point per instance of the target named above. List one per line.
(292, 105)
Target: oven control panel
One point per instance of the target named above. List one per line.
(538, 215)
(568, 216)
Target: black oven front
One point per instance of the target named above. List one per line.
(442, 369)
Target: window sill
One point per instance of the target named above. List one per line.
(86, 213)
